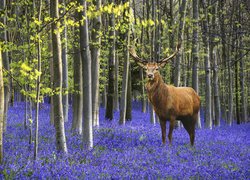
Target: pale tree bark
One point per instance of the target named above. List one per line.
(158, 32)
(65, 97)
(242, 109)
(51, 80)
(87, 84)
(224, 57)
(38, 83)
(217, 105)
(177, 70)
(6, 65)
(230, 75)
(77, 96)
(143, 98)
(242, 85)
(152, 112)
(129, 97)
(57, 68)
(1, 107)
(116, 94)
(116, 79)
(111, 65)
(124, 87)
(182, 12)
(171, 37)
(208, 100)
(214, 59)
(236, 66)
(123, 105)
(95, 66)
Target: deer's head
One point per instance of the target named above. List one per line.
(152, 68)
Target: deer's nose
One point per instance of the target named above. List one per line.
(150, 75)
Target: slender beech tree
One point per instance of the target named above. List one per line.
(152, 54)
(195, 51)
(6, 65)
(38, 81)
(229, 50)
(242, 84)
(87, 84)
(225, 60)
(65, 97)
(111, 73)
(214, 59)
(125, 38)
(143, 98)
(171, 36)
(77, 96)
(95, 66)
(1, 107)
(57, 81)
(182, 12)
(236, 65)
(116, 94)
(129, 97)
(205, 35)
(51, 84)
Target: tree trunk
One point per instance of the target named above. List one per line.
(213, 56)
(57, 68)
(38, 83)
(111, 73)
(143, 98)
(208, 102)
(116, 94)
(152, 57)
(51, 84)
(6, 65)
(230, 77)
(95, 56)
(224, 56)
(87, 83)
(129, 97)
(182, 13)
(65, 97)
(1, 107)
(123, 105)
(171, 37)
(242, 86)
(216, 91)
(78, 94)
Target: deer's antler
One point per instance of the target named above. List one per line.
(136, 58)
(165, 60)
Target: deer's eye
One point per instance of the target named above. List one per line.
(157, 69)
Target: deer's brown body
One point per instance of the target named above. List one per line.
(173, 103)
(169, 102)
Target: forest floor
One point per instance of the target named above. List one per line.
(133, 151)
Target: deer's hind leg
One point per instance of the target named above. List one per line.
(189, 125)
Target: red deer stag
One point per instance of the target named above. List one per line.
(170, 102)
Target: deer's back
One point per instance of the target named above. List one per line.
(177, 101)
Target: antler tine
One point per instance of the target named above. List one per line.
(173, 55)
(134, 55)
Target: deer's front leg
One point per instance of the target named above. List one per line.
(171, 128)
(163, 130)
